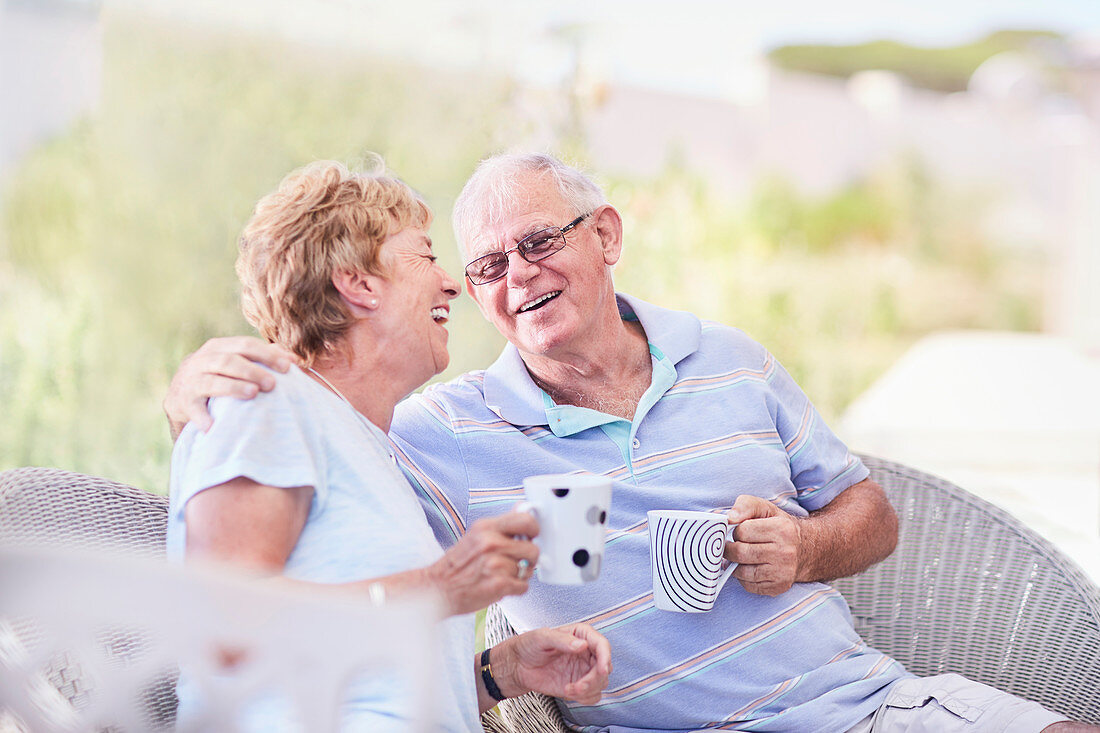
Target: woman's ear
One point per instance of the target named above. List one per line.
(359, 290)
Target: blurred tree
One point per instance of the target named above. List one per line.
(942, 69)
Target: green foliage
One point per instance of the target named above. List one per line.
(942, 69)
(858, 213)
(119, 236)
(836, 286)
(117, 249)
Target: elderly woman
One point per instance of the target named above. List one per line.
(338, 268)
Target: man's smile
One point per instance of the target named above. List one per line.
(538, 302)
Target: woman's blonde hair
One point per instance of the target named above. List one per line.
(322, 219)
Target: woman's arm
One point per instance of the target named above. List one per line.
(256, 527)
(247, 524)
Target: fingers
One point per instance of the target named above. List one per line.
(746, 554)
(598, 644)
(516, 523)
(749, 507)
(758, 540)
(778, 528)
(239, 358)
(272, 355)
(222, 367)
(559, 640)
(766, 548)
(196, 411)
(252, 349)
(499, 535)
(191, 402)
(764, 580)
(585, 637)
(765, 568)
(484, 566)
(233, 367)
(591, 643)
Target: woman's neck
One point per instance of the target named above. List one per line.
(358, 378)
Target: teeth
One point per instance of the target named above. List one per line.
(538, 301)
(439, 314)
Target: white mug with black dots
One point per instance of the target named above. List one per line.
(686, 553)
(572, 513)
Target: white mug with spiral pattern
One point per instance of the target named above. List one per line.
(685, 550)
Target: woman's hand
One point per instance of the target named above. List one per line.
(222, 366)
(572, 662)
(485, 565)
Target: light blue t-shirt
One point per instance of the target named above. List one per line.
(721, 418)
(364, 522)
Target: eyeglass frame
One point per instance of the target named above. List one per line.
(519, 248)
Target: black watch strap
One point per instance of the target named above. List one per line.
(487, 678)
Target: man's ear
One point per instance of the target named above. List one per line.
(359, 290)
(609, 227)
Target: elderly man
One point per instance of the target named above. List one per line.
(683, 414)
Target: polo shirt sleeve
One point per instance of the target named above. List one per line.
(427, 448)
(821, 465)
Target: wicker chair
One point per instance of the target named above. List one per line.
(969, 589)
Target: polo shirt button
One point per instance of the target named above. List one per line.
(636, 443)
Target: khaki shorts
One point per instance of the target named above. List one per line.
(947, 703)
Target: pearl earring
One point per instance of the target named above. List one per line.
(374, 302)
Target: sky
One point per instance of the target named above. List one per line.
(705, 47)
(929, 22)
(922, 22)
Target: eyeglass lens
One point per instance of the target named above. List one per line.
(532, 248)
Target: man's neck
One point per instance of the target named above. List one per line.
(610, 377)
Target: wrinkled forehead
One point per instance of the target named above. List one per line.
(523, 206)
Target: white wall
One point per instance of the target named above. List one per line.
(50, 69)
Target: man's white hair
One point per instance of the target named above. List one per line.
(496, 189)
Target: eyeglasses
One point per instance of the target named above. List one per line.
(534, 247)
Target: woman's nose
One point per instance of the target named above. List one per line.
(450, 286)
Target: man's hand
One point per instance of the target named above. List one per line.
(766, 546)
(775, 550)
(484, 566)
(572, 662)
(221, 367)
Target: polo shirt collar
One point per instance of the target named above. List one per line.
(676, 333)
(511, 393)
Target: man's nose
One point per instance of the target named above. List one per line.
(519, 269)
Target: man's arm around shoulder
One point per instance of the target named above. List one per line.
(222, 366)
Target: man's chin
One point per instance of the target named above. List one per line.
(539, 342)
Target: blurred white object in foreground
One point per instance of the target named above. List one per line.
(110, 631)
(1012, 417)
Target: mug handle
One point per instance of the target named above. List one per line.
(732, 566)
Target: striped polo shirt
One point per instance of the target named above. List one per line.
(721, 418)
